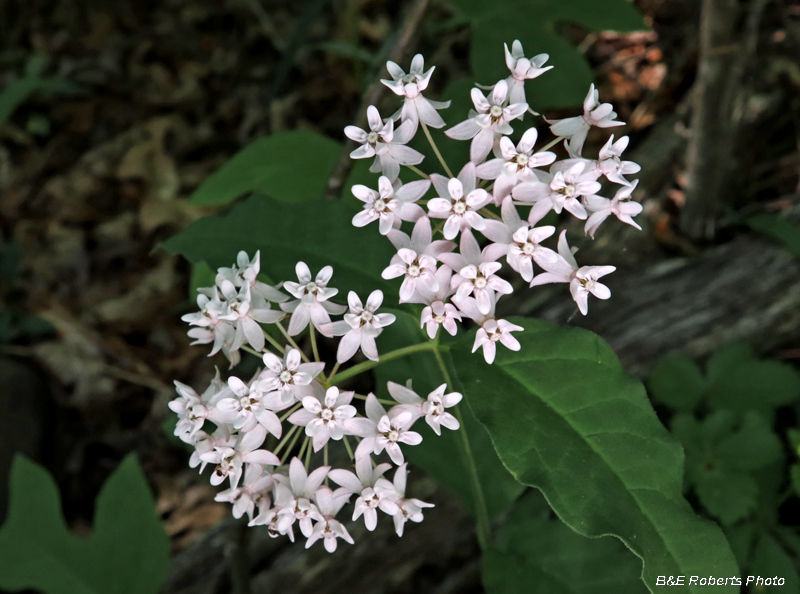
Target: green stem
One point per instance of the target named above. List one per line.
(293, 343)
(435, 148)
(418, 171)
(290, 411)
(348, 448)
(247, 349)
(313, 342)
(367, 365)
(274, 343)
(551, 144)
(381, 400)
(481, 511)
(284, 440)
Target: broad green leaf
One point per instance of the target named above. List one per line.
(761, 385)
(794, 440)
(779, 228)
(727, 358)
(495, 23)
(202, 276)
(770, 560)
(128, 550)
(677, 382)
(290, 166)
(443, 456)
(533, 554)
(564, 417)
(318, 232)
(794, 473)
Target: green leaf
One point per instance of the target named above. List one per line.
(677, 382)
(777, 227)
(566, 85)
(565, 418)
(770, 560)
(760, 385)
(443, 456)
(727, 358)
(346, 49)
(290, 166)
(318, 233)
(794, 440)
(533, 554)
(794, 473)
(202, 276)
(128, 550)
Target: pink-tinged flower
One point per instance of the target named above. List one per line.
(409, 509)
(458, 202)
(290, 378)
(594, 114)
(415, 106)
(360, 327)
(245, 310)
(582, 281)
(246, 271)
(491, 119)
(384, 143)
(492, 331)
(294, 496)
(561, 191)
(612, 166)
(210, 328)
(438, 312)
(229, 460)
(522, 69)
(244, 498)
(324, 418)
(328, 527)
(363, 484)
(193, 410)
(205, 443)
(312, 300)
(248, 406)
(433, 409)
(621, 206)
(516, 163)
(389, 206)
(383, 431)
(519, 243)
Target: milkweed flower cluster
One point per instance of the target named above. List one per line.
(247, 429)
(460, 276)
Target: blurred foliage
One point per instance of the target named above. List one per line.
(778, 228)
(128, 550)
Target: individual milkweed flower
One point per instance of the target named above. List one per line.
(561, 190)
(408, 509)
(210, 328)
(522, 69)
(247, 403)
(389, 205)
(515, 163)
(433, 408)
(415, 106)
(324, 418)
(384, 143)
(328, 527)
(492, 331)
(582, 281)
(621, 206)
(246, 271)
(245, 310)
(312, 299)
(360, 327)
(194, 410)
(244, 498)
(594, 114)
(230, 460)
(294, 496)
(611, 164)
(519, 243)
(290, 378)
(438, 312)
(458, 202)
(380, 431)
(491, 118)
(205, 443)
(362, 483)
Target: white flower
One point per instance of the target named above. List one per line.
(363, 484)
(594, 114)
(389, 206)
(438, 312)
(415, 106)
(244, 498)
(212, 329)
(522, 69)
(290, 378)
(433, 409)
(205, 443)
(516, 163)
(229, 460)
(294, 498)
(246, 271)
(246, 310)
(247, 403)
(621, 206)
(409, 509)
(383, 431)
(458, 202)
(324, 419)
(491, 118)
(612, 166)
(360, 327)
(519, 243)
(561, 191)
(328, 528)
(582, 281)
(384, 143)
(312, 299)
(492, 331)
(193, 410)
